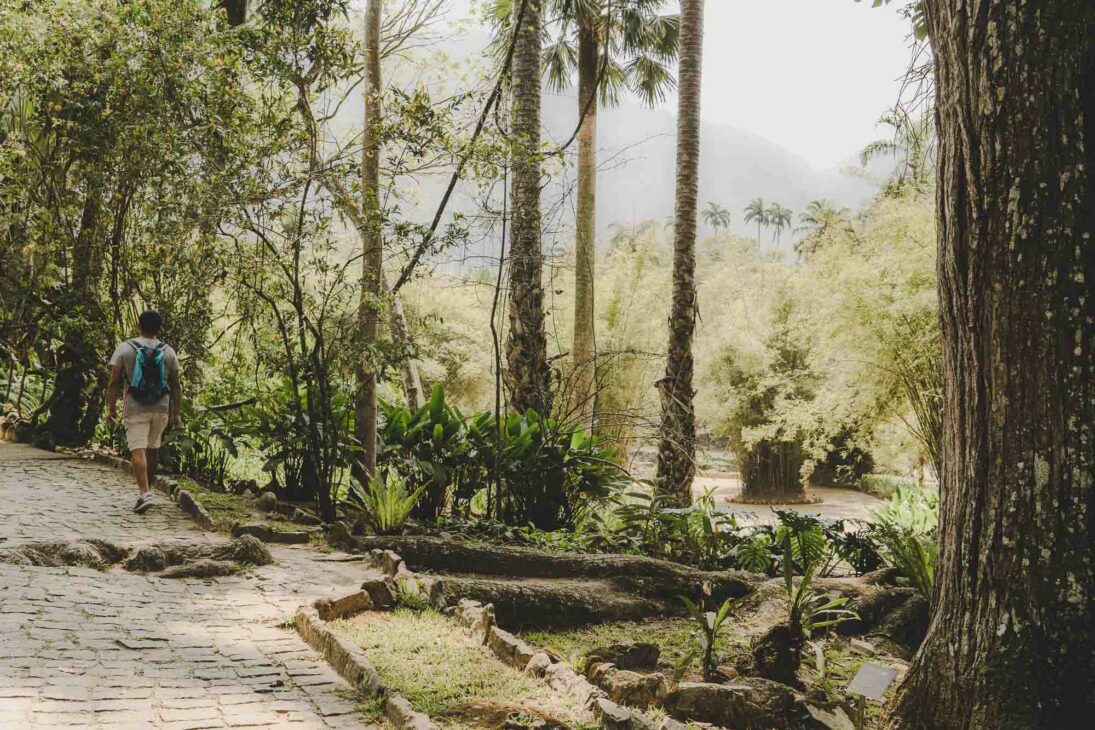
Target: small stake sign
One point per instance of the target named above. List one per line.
(872, 680)
(870, 683)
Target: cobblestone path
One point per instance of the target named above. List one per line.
(81, 648)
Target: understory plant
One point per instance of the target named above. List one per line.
(386, 502)
(905, 529)
(520, 469)
(708, 631)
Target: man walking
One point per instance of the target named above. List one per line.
(149, 370)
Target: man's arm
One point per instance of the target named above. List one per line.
(112, 392)
(175, 419)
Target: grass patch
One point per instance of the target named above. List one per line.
(226, 508)
(427, 657)
(675, 637)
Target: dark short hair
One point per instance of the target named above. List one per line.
(150, 322)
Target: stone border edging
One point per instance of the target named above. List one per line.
(351, 663)
(479, 622)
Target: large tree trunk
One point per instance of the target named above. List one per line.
(677, 451)
(527, 374)
(372, 259)
(584, 347)
(75, 404)
(1011, 642)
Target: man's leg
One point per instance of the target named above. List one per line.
(140, 469)
(150, 456)
(157, 423)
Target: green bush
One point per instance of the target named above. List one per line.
(905, 529)
(524, 470)
(386, 501)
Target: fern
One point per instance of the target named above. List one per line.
(387, 503)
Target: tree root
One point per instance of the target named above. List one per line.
(659, 580)
(153, 558)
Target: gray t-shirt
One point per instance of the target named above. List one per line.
(125, 356)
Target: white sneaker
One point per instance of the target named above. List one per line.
(143, 502)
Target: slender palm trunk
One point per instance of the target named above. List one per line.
(401, 338)
(527, 373)
(365, 411)
(677, 450)
(1011, 640)
(583, 350)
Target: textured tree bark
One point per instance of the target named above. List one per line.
(583, 351)
(1011, 639)
(527, 374)
(677, 450)
(372, 260)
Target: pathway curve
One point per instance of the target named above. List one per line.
(81, 648)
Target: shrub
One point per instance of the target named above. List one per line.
(386, 502)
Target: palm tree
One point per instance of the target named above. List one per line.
(911, 141)
(527, 373)
(372, 259)
(779, 218)
(612, 46)
(821, 215)
(716, 216)
(756, 211)
(677, 448)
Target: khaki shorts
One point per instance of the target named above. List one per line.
(143, 430)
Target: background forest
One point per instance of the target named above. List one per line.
(206, 168)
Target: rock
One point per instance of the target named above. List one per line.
(828, 719)
(267, 502)
(778, 654)
(339, 537)
(265, 533)
(509, 648)
(860, 646)
(246, 550)
(387, 562)
(285, 509)
(564, 679)
(611, 715)
(627, 656)
(351, 605)
(476, 618)
(381, 591)
(628, 687)
(751, 703)
(403, 716)
(904, 627)
(305, 518)
(668, 723)
(538, 664)
(201, 568)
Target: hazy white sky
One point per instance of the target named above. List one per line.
(810, 75)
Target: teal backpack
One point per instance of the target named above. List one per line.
(148, 384)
